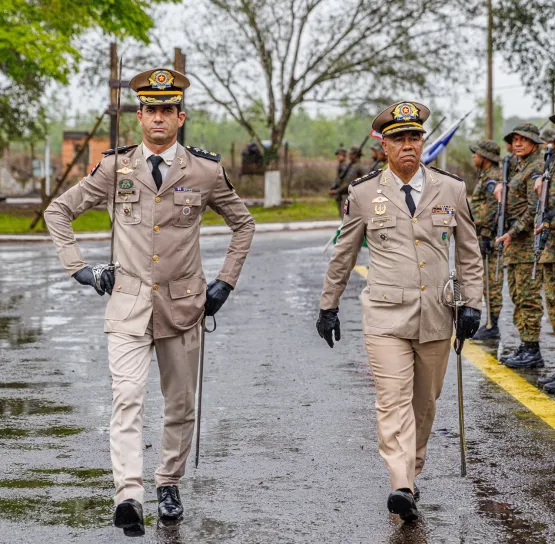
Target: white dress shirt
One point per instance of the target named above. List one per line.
(417, 184)
(167, 158)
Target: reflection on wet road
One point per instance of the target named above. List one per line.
(289, 446)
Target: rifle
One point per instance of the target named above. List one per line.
(502, 211)
(540, 239)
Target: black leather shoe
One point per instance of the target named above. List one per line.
(484, 334)
(545, 380)
(416, 493)
(401, 502)
(549, 387)
(129, 517)
(169, 502)
(529, 357)
(504, 358)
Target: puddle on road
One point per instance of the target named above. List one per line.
(16, 332)
(52, 432)
(32, 385)
(31, 407)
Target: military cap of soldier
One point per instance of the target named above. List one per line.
(407, 213)
(156, 194)
(548, 136)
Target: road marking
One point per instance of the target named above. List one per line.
(538, 402)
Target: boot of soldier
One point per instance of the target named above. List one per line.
(504, 358)
(529, 357)
(549, 387)
(484, 334)
(546, 379)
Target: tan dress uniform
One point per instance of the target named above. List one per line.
(159, 293)
(407, 329)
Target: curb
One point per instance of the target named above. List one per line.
(215, 230)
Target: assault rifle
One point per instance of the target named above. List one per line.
(540, 239)
(502, 212)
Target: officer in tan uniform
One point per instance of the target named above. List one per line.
(408, 213)
(159, 294)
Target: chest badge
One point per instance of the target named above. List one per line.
(380, 209)
(381, 199)
(126, 183)
(126, 161)
(125, 170)
(186, 210)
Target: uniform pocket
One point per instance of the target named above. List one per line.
(444, 313)
(187, 298)
(382, 231)
(187, 206)
(128, 206)
(382, 306)
(123, 299)
(443, 225)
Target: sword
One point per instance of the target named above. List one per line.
(452, 297)
(118, 111)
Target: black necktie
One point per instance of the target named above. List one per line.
(408, 198)
(156, 174)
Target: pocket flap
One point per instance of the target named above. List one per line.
(187, 198)
(186, 288)
(386, 293)
(382, 222)
(127, 284)
(127, 195)
(443, 220)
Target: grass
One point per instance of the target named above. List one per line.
(311, 209)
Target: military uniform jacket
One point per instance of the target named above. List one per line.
(355, 171)
(521, 209)
(409, 256)
(156, 237)
(484, 205)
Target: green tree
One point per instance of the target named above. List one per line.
(39, 43)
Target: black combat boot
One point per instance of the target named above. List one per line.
(169, 503)
(484, 334)
(401, 502)
(129, 517)
(529, 357)
(549, 387)
(546, 379)
(504, 358)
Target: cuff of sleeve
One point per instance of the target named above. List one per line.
(473, 297)
(71, 259)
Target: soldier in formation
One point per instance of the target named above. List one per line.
(156, 195)
(351, 171)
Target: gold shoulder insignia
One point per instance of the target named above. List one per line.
(123, 149)
(445, 173)
(368, 176)
(198, 152)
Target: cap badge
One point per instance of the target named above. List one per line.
(405, 112)
(161, 79)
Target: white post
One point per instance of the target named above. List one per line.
(47, 166)
(272, 188)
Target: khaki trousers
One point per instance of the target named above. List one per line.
(408, 377)
(130, 358)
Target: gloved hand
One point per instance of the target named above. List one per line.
(101, 277)
(327, 323)
(486, 246)
(217, 292)
(468, 322)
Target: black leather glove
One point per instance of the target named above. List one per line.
(468, 322)
(327, 323)
(486, 245)
(217, 292)
(102, 280)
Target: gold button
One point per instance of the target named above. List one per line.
(187, 201)
(119, 287)
(385, 297)
(155, 287)
(445, 222)
(125, 197)
(381, 224)
(417, 242)
(422, 264)
(423, 288)
(414, 220)
(156, 228)
(188, 291)
(155, 258)
(158, 200)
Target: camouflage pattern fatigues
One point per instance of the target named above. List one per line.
(355, 171)
(521, 210)
(484, 209)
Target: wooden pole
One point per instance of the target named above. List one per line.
(489, 92)
(179, 63)
(113, 93)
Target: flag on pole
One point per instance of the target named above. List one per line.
(433, 150)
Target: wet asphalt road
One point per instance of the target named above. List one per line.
(289, 443)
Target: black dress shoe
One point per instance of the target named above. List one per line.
(169, 502)
(401, 502)
(529, 357)
(416, 493)
(546, 379)
(129, 517)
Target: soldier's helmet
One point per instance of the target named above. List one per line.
(526, 130)
(488, 149)
(548, 135)
(341, 150)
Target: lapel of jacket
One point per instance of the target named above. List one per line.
(177, 169)
(430, 191)
(391, 190)
(142, 170)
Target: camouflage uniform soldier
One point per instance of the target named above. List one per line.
(518, 242)
(484, 209)
(340, 190)
(548, 136)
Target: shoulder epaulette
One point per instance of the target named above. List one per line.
(123, 149)
(446, 173)
(366, 177)
(198, 152)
